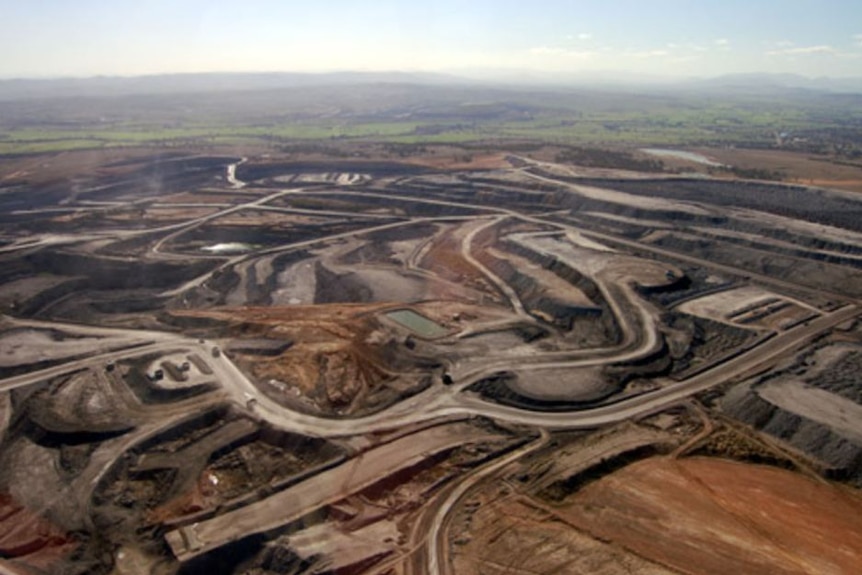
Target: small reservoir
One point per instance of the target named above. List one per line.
(418, 324)
(228, 248)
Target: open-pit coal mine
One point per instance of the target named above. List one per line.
(275, 363)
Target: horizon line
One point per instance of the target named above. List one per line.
(472, 74)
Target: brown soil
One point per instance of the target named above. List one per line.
(445, 259)
(26, 536)
(798, 167)
(509, 535)
(704, 515)
(193, 501)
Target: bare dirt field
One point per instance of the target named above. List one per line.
(453, 160)
(514, 535)
(800, 168)
(715, 516)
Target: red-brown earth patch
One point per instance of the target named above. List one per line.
(704, 515)
(30, 539)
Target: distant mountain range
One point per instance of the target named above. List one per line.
(788, 81)
(19, 89)
(615, 79)
(206, 82)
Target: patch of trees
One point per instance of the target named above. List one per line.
(404, 150)
(750, 173)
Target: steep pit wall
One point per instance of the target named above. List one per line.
(566, 314)
(560, 313)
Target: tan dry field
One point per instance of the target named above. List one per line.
(714, 516)
(455, 160)
(801, 168)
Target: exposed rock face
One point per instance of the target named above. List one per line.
(340, 378)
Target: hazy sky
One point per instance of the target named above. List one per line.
(679, 37)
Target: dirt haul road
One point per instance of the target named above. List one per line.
(323, 489)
